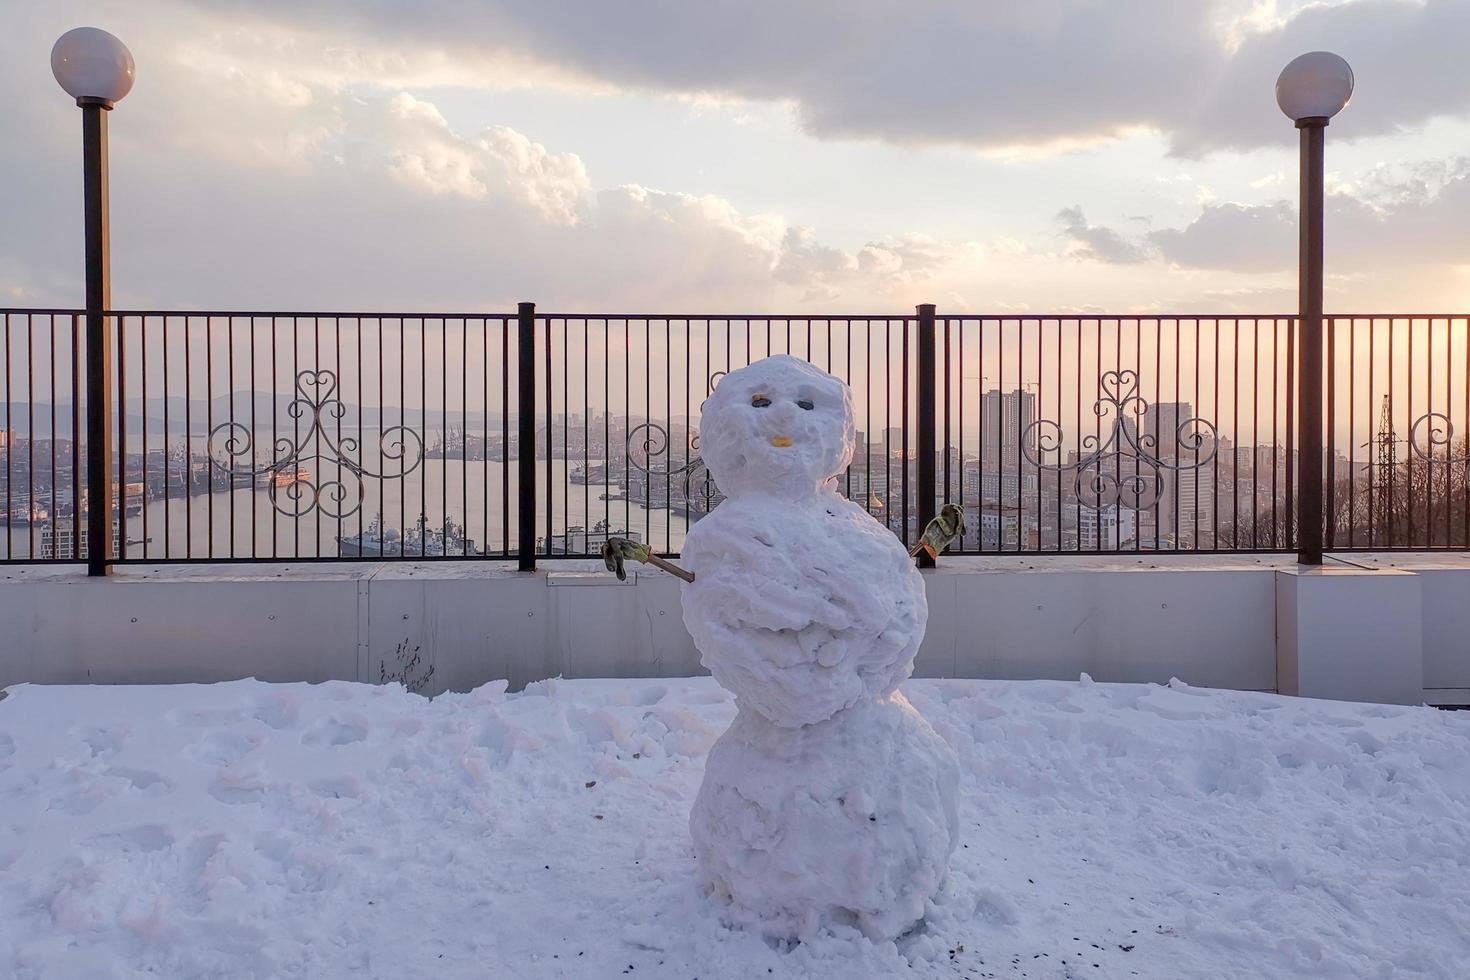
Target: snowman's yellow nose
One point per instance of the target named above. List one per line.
(781, 442)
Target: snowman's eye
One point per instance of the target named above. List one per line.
(760, 401)
(805, 403)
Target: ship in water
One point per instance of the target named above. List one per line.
(21, 510)
(593, 473)
(283, 478)
(380, 541)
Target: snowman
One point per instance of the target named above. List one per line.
(829, 802)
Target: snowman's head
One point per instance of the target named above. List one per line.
(778, 426)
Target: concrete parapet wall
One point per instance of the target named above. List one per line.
(1213, 621)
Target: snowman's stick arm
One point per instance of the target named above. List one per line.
(670, 567)
(618, 550)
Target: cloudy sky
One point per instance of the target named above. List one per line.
(762, 155)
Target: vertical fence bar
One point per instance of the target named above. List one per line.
(1292, 520)
(209, 429)
(464, 434)
(485, 437)
(1374, 476)
(960, 328)
(505, 435)
(1352, 442)
(1331, 531)
(1449, 399)
(30, 435)
(1330, 471)
(1214, 463)
(230, 400)
(1403, 406)
(121, 350)
(904, 403)
(948, 437)
(143, 429)
(526, 435)
(189, 445)
(163, 352)
(9, 450)
(888, 425)
(421, 525)
(76, 445)
(868, 415)
(926, 429)
(1386, 444)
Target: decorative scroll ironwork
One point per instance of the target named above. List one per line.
(1431, 431)
(1096, 486)
(294, 489)
(649, 440)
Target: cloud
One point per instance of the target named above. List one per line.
(1410, 216)
(819, 268)
(429, 156)
(1237, 237)
(1048, 74)
(909, 259)
(1096, 242)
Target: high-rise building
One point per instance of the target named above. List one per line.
(1196, 510)
(1162, 423)
(1005, 420)
(893, 442)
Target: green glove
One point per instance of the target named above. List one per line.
(941, 532)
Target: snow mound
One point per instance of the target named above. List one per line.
(348, 831)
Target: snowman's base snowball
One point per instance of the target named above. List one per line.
(850, 821)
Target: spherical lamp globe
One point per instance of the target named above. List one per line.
(1316, 85)
(91, 64)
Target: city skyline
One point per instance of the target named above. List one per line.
(1020, 489)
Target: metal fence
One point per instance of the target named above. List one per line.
(240, 436)
(40, 437)
(1396, 413)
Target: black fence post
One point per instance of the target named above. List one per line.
(526, 437)
(1309, 403)
(928, 388)
(99, 340)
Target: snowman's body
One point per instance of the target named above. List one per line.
(829, 801)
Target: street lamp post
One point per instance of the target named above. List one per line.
(96, 69)
(1311, 90)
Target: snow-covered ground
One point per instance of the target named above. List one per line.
(343, 830)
